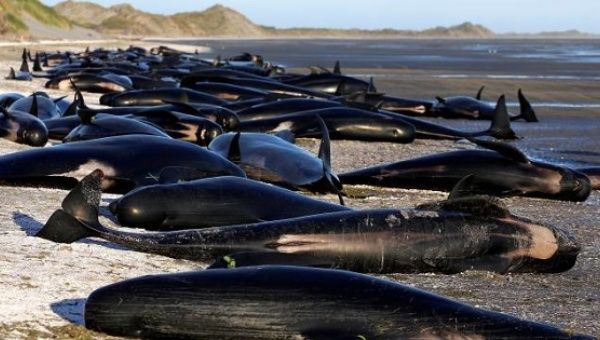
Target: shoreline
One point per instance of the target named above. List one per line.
(44, 285)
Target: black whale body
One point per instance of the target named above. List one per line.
(503, 170)
(286, 302)
(212, 202)
(462, 233)
(128, 162)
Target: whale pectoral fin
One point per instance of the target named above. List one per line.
(464, 188)
(334, 334)
(247, 259)
(504, 149)
(62, 227)
(175, 174)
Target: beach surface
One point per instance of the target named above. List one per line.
(43, 285)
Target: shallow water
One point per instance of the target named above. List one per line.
(565, 135)
(533, 57)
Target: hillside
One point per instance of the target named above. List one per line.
(32, 19)
(124, 20)
(15, 14)
(87, 20)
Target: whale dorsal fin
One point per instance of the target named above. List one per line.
(11, 74)
(325, 146)
(336, 68)
(37, 65)
(34, 105)
(86, 116)
(341, 87)
(500, 127)
(478, 96)
(504, 149)
(24, 63)
(235, 153)
(527, 112)
(325, 157)
(371, 88)
(441, 100)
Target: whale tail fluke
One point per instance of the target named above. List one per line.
(64, 228)
(527, 112)
(500, 127)
(79, 209)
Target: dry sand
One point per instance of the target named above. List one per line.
(43, 285)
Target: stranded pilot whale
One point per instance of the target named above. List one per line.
(475, 108)
(504, 169)
(342, 123)
(287, 302)
(271, 159)
(212, 202)
(462, 233)
(21, 127)
(127, 161)
(103, 125)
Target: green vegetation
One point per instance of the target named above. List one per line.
(219, 20)
(13, 15)
(10, 24)
(44, 14)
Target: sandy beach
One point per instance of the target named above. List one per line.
(43, 285)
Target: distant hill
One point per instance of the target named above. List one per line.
(465, 30)
(218, 20)
(124, 20)
(84, 20)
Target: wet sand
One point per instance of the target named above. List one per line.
(43, 285)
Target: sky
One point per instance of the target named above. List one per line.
(500, 16)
